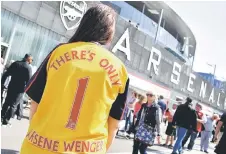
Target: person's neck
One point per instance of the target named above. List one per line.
(150, 102)
(25, 61)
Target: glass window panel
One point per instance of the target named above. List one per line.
(39, 40)
(7, 23)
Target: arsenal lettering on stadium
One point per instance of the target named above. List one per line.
(71, 13)
(175, 73)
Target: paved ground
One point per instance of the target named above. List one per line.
(11, 140)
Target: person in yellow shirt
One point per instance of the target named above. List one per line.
(79, 92)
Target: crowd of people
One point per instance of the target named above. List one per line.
(78, 95)
(144, 116)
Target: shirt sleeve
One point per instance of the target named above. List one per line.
(194, 121)
(36, 84)
(119, 104)
(176, 115)
(28, 75)
(158, 119)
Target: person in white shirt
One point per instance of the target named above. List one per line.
(129, 110)
(206, 134)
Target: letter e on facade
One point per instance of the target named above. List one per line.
(192, 77)
(202, 92)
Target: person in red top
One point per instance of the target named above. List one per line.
(193, 134)
(170, 131)
(138, 104)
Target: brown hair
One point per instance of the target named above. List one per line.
(199, 105)
(97, 25)
(141, 99)
(135, 94)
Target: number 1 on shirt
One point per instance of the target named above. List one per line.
(77, 103)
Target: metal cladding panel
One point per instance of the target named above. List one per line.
(12, 6)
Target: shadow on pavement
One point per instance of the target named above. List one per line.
(25, 117)
(9, 151)
(155, 151)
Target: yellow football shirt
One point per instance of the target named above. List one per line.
(78, 86)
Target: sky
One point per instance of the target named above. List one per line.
(207, 21)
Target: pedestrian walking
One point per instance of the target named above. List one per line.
(5, 84)
(170, 130)
(206, 134)
(184, 118)
(148, 122)
(221, 148)
(201, 118)
(79, 91)
(137, 107)
(129, 111)
(20, 73)
(162, 105)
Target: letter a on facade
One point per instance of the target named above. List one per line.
(119, 46)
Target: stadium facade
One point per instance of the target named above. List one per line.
(156, 45)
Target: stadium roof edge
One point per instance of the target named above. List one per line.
(174, 24)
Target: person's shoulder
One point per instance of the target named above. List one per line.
(223, 117)
(224, 114)
(16, 62)
(143, 105)
(27, 66)
(192, 110)
(180, 106)
(159, 101)
(61, 46)
(157, 105)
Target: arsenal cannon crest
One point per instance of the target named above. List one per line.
(71, 13)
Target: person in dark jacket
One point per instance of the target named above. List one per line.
(162, 104)
(20, 72)
(221, 148)
(201, 118)
(185, 119)
(150, 114)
